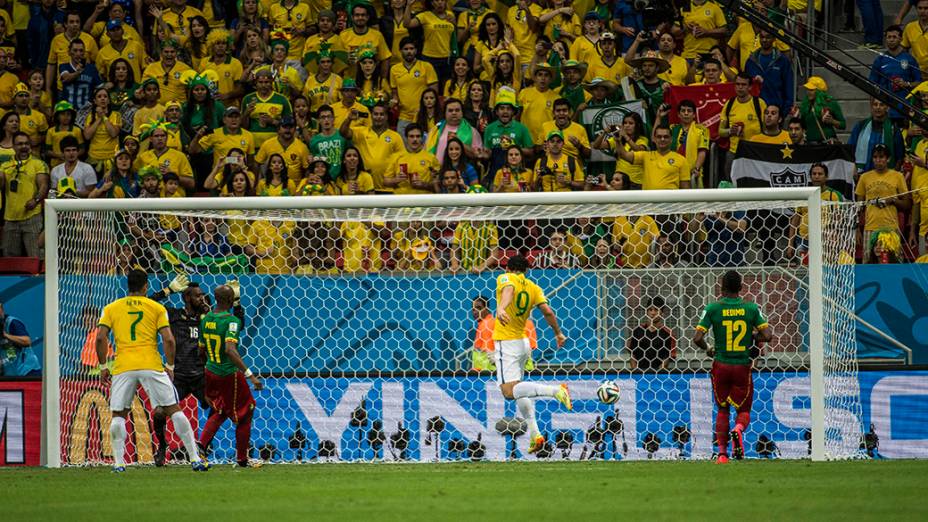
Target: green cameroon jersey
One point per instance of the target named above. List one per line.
(732, 321)
(216, 329)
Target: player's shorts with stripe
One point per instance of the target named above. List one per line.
(229, 394)
(732, 384)
(157, 385)
(510, 357)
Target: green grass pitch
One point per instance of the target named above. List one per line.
(563, 491)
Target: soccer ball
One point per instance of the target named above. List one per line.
(608, 392)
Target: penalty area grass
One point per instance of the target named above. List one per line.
(533, 491)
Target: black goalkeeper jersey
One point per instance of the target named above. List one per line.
(186, 330)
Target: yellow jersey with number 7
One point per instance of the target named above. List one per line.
(525, 297)
(135, 322)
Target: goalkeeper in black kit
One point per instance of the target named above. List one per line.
(189, 378)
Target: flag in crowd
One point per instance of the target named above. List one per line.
(778, 166)
(599, 118)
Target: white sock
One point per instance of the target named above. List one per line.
(533, 389)
(118, 438)
(527, 410)
(185, 432)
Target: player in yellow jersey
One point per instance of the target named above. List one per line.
(516, 296)
(136, 321)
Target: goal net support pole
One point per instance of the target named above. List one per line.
(816, 325)
(51, 389)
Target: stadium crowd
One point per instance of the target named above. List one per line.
(174, 98)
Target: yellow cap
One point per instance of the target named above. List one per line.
(506, 96)
(816, 83)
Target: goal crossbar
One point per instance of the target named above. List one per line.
(796, 194)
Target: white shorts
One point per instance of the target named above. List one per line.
(157, 385)
(510, 357)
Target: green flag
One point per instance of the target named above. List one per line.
(173, 260)
(599, 117)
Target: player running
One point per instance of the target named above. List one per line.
(226, 389)
(136, 321)
(516, 296)
(733, 321)
(188, 370)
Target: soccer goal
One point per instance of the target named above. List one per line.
(366, 318)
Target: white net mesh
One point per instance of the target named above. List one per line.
(363, 322)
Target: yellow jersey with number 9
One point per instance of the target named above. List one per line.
(135, 322)
(526, 296)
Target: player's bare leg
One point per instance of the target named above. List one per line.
(118, 436)
(185, 432)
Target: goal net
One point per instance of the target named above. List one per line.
(362, 317)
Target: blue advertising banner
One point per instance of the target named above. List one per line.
(346, 324)
(24, 298)
(359, 316)
(895, 405)
(894, 298)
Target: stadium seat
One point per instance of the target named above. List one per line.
(20, 265)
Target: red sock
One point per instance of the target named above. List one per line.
(242, 437)
(742, 420)
(212, 426)
(721, 429)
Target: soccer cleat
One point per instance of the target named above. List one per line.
(251, 463)
(737, 444)
(160, 455)
(119, 469)
(563, 396)
(200, 465)
(536, 443)
(723, 459)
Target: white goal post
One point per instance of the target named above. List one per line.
(452, 207)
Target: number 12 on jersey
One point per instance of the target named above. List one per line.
(735, 330)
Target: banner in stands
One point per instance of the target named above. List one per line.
(295, 417)
(596, 119)
(765, 165)
(709, 101)
(20, 423)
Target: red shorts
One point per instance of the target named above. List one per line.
(732, 384)
(229, 394)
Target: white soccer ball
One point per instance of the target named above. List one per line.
(608, 392)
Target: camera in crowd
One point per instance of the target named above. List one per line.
(656, 12)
